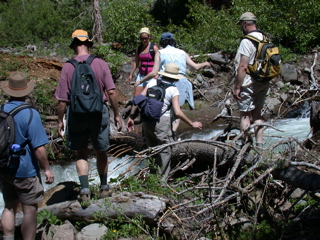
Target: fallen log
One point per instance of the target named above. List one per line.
(150, 207)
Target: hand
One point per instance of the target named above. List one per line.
(118, 122)
(60, 129)
(208, 64)
(129, 78)
(236, 94)
(137, 83)
(49, 176)
(197, 125)
(130, 125)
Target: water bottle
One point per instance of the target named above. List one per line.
(15, 153)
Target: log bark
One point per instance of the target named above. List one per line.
(298, 178)
(150, 207)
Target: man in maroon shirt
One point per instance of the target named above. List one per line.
(80, 126)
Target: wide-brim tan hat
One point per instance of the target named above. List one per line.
(247, 16)
(171, 71)
(80, 35)
(18, 85)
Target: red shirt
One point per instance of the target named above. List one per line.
(101, 72)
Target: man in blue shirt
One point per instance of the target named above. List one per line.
(22, 184)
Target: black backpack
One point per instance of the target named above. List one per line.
(85, 96)
(7, 136)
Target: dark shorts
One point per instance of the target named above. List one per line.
(82, 127)
(27, 190)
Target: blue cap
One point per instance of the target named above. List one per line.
(167, 35)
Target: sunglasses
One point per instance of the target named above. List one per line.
(144, 38)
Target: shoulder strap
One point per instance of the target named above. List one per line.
(73, 62)
(139, 48)
(18, 109)
(90, 59)
(151, 50)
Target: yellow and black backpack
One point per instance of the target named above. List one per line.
(267, 63)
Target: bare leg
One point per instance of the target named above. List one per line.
(244, 122)
(175, 124)
(29, 222)
(82, 162)
(8, 217)
(138, 90)
(258, 131)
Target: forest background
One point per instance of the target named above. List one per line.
(199, 26)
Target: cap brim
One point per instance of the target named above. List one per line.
(172, 76)
(78, 40)
(15, 93)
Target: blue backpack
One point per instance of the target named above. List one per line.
(151, 105)
(85, 96)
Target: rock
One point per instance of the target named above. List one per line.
(272, 103)
(284, 97)
(65, 231)
(93, 231)
(218, 58)
(297, 193)
(289, 73)
(126, 68)
(210, 73)
(280, 84)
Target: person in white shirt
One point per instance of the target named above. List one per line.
(159, 132)
(249, 93)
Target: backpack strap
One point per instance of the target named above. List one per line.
(151, 50)
(90, 59)
(73, 62)
(17, 109)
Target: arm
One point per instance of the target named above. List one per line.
(61, 111)
(41, 155)
(112, 96)
(130, 123)
(154, 72)
(241, 73)
(178, 112)
(196, 66)
(135, 65)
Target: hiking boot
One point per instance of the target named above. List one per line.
(105, 191)
(85, 194)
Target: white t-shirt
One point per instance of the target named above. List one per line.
(247, 49)
(171, 92)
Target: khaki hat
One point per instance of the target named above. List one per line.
(18, 85)
(171, 71)
(144, 30)
(80, 35)
(247, 16)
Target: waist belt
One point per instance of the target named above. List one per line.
(144, 65)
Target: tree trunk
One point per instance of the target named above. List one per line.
(97, 27)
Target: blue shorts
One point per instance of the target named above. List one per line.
(139, 77)
(83, 127)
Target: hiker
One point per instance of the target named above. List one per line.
(249, 93)
(168, 54)
(84, 126)
(22, 183)
(144, 59)
(159, 132)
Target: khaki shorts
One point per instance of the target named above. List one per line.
(27, 190)
(253, 96)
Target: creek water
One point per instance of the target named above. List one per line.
(293, 127)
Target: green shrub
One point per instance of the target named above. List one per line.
(123, 20)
